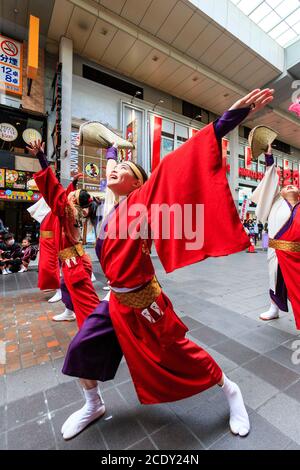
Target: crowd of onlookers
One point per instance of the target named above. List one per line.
(15, 257)
(256, 230)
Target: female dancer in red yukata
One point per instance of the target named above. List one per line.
(165, 366)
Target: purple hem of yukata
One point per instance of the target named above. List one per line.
(94, 353)
(65, 295)
(280, 298)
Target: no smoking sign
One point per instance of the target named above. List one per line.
(9, 48)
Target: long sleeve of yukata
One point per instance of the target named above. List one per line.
(51, 189)
(229, 121)
(267, 190)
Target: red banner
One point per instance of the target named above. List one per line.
(225, 144)
(156, 141)
(248, 158)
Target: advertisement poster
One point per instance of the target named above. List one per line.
(131, 136)
(2, 178)
(16, 179)
(30, 183)
(91, 170)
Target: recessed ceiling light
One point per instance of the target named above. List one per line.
(103, 31)
(195, 79)
(155, 58)
(83, 26)
(226, 95)
(16, 10)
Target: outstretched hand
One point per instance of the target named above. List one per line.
(257, 100)
(35, 147)
(77, 176)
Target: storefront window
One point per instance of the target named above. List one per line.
(133, 130)
(182, 134)
(167, 137)
(261, 167)
(254, 166)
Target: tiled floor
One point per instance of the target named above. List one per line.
(220, 300)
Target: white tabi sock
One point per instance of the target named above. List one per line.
(67, 315)
(56, 297)
(239, 420)
(271, 314)
(93, 409)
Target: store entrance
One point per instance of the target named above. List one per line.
(18, 220)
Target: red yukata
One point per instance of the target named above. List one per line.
(164, 365)
(77, 276)
(289, 261)
(48, 275)
(50, 231)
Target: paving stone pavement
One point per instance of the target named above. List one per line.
(219, 300)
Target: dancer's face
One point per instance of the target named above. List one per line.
(290, 190)
(122, 180)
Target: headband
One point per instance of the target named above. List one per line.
(135, 171)
(76, 196)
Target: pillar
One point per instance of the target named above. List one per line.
(66, 59)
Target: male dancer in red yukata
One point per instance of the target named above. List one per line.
(70, 208)
(139, 320)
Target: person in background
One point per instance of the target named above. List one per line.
(256, 232)
(29, 252)
(2, 228)
(11, 255)
(260, 230)
(2, 244)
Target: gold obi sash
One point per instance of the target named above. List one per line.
(71, 252)
(142, 297)
(46, 234)
(284, 245)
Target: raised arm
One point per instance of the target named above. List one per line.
(248, 105)
(49, 186)
(267, 190)
(111, 157)
(188, 163)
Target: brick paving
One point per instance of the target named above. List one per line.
(31, 336)
(219, 300)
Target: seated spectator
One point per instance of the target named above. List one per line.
(2, 245)
(29, 252)
(11, 255)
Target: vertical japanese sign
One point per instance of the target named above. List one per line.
(244, 208)
(11, 57)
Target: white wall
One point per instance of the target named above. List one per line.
(94, 102)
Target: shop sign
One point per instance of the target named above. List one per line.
(11, 57)
(31, 135)
(255, 175)
(8, 133)
(19, 195)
